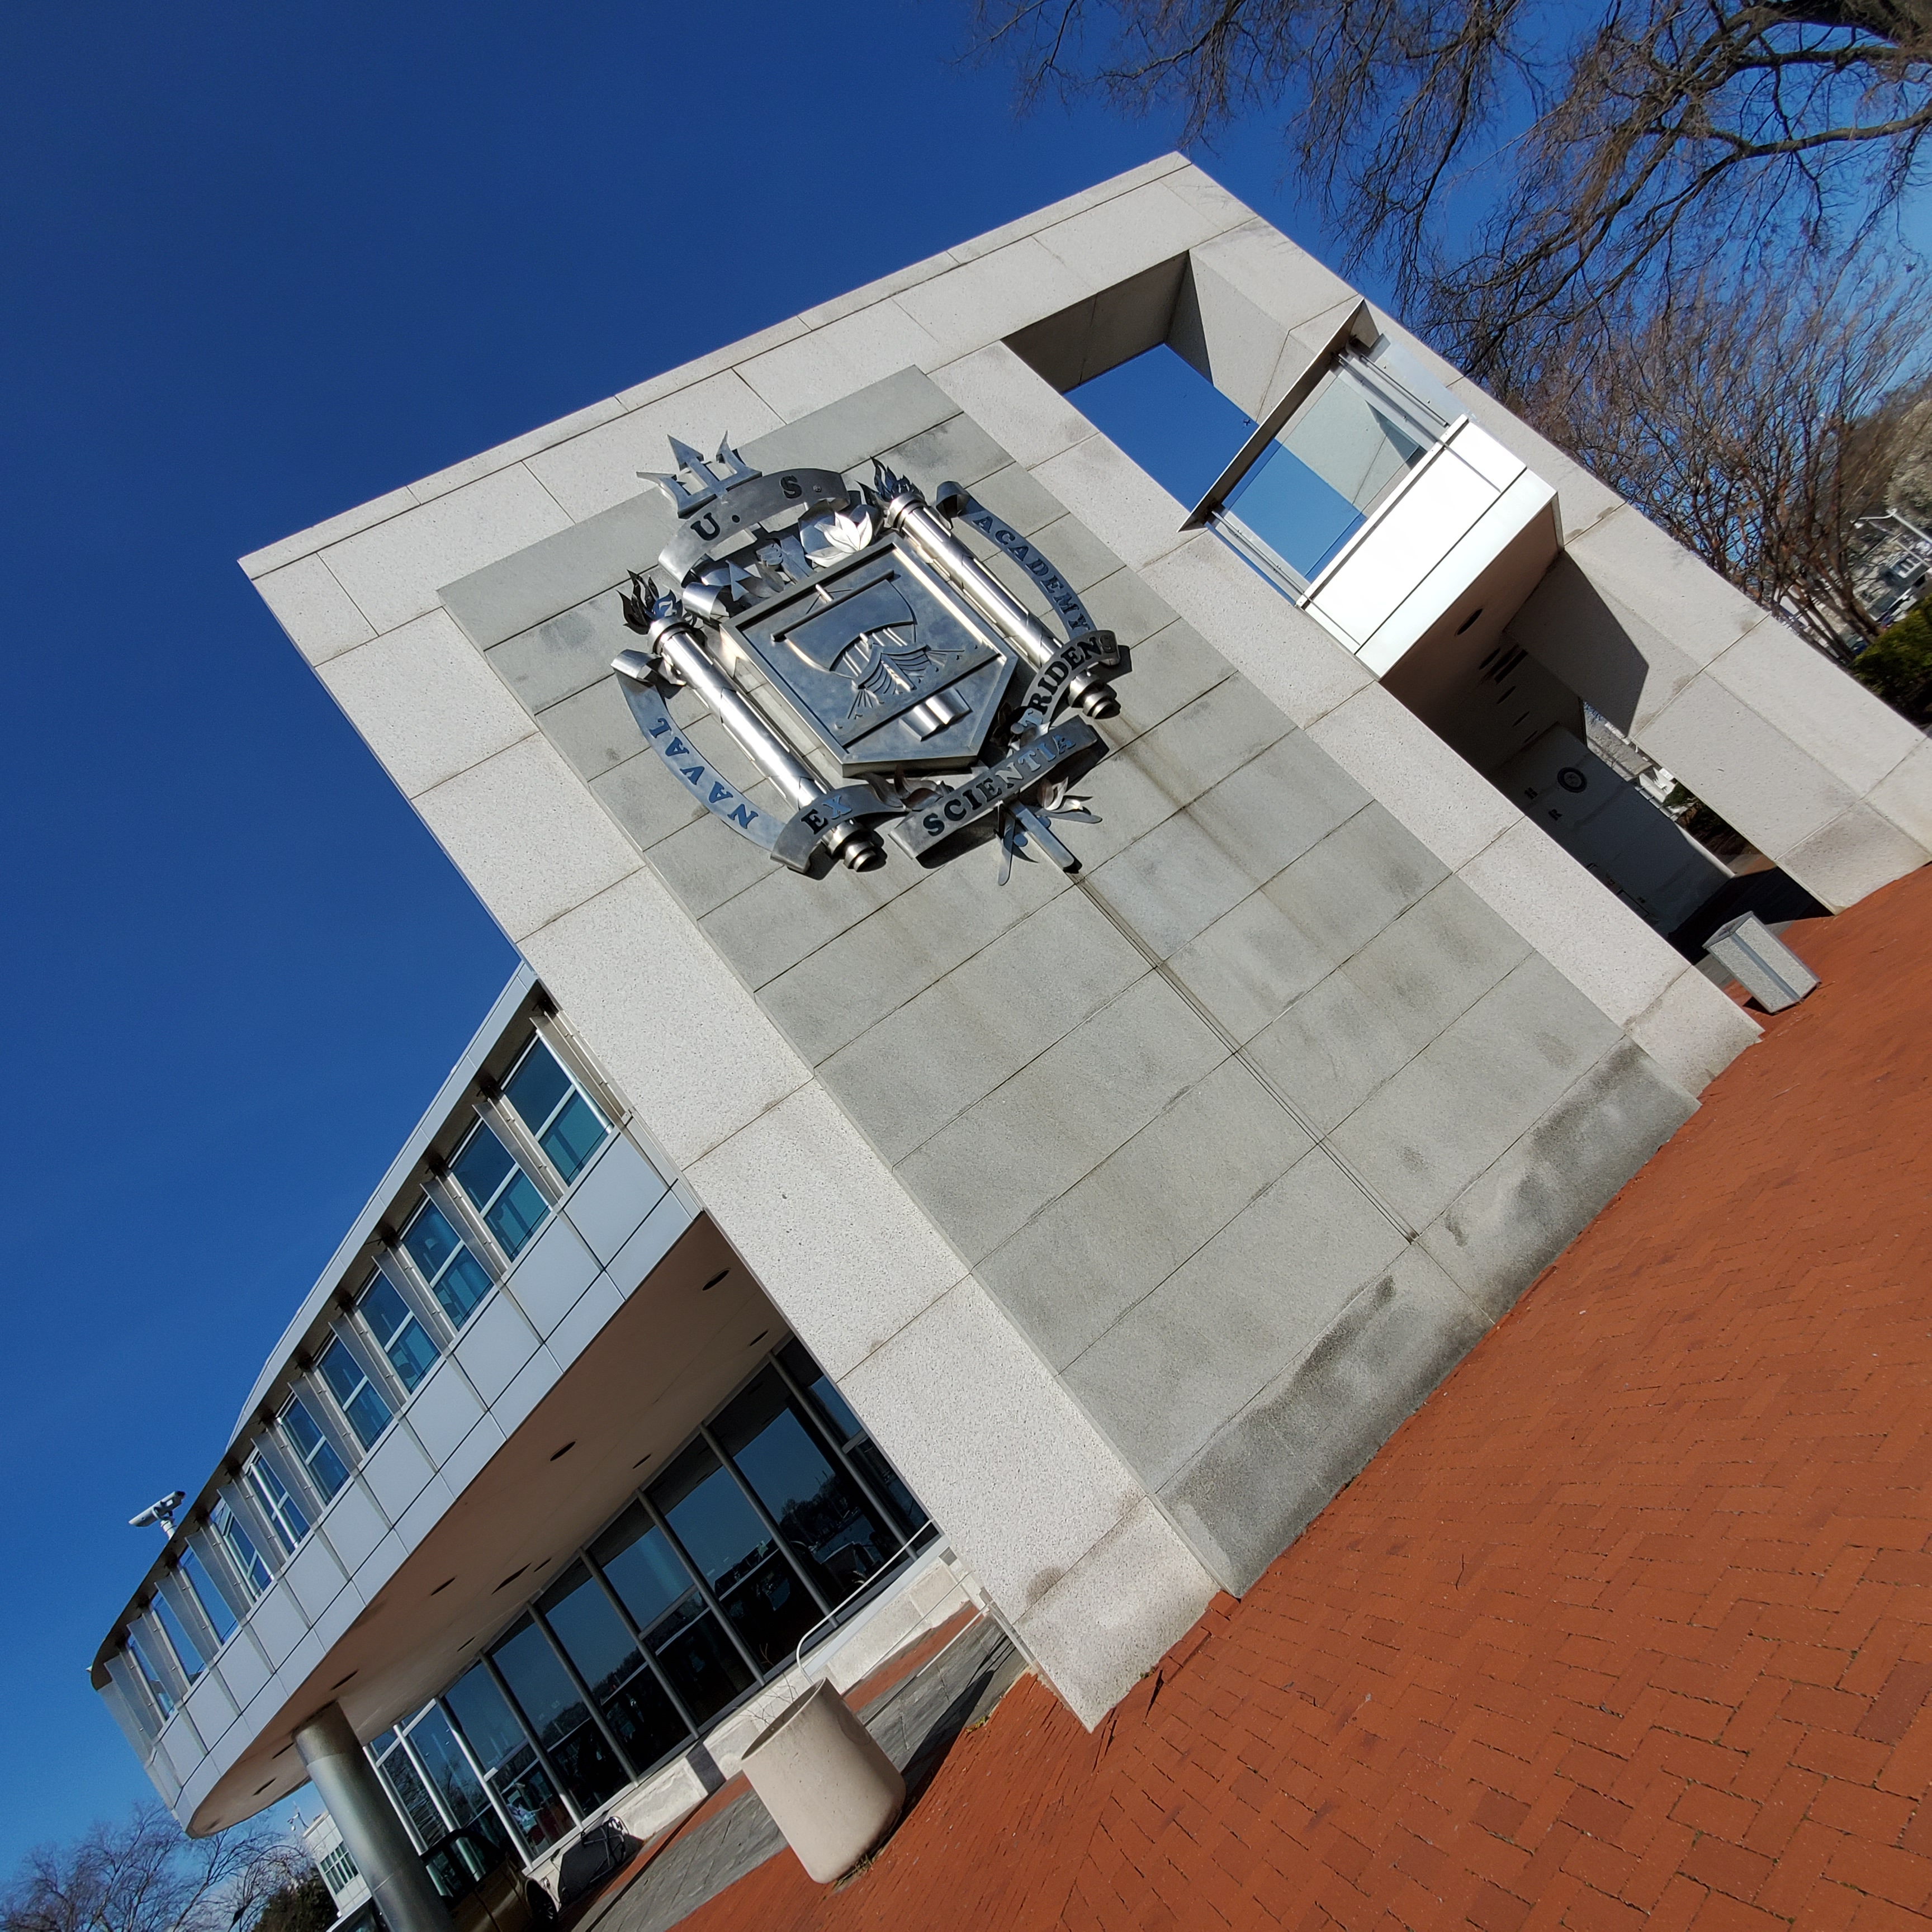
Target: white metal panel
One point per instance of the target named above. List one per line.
(1413, 536)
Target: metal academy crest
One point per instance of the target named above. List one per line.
(849, 631)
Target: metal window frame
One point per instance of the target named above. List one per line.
(339, 1337)
(637, 1637)
(151, 1681)
(483, 1124)
(170, 1650)
(511, 1829)
(191, 1546)
(323, 1440)
(259, 1459)
(171, 1590)
(252, 1592)
(583, 1690)
(821, 1428)
(522, 1723)
(471, 1238)
(535, 1130)
(405, 1291)
(764, 1516)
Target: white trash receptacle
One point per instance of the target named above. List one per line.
(1772, 973)
(829, 1789)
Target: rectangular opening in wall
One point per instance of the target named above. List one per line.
(1166, 415)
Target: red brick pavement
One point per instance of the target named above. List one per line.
(1633, 1619)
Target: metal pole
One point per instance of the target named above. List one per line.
(346, 1782)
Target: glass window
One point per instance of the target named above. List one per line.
(138, 1643)
(241, 1546)
(357, 1397)
(398, 1333)
(755, 1584)
(337, 1869)
(835, 1415)
(819, 1511)
(407, 1788)
(441, 1758)
(522, 1786)
(690, 1646)
(596, 1641)
(284, 1513)
(1334, 462)
(213, 1605)
(455, 1276)
(556, 1711)
(316, 1452)
(499, 1190)
(187, 1652)
(559, 1114)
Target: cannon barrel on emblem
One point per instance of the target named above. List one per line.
(677, 641)
(931, 536)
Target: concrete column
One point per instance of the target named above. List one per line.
(370, 1827)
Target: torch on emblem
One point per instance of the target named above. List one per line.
(886, 682)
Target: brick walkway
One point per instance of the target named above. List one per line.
(1633, 1619)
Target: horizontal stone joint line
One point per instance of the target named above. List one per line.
(1125, 929)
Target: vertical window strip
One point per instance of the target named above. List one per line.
(323, 1467)
(284, 1513)
(240, 1545)
(560, 1116)
(511, 1204)
(358, 1397)
(405, 1344)
(451, 1274)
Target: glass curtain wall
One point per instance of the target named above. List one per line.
(781, 1513)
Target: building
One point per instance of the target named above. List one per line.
(1116, 1206)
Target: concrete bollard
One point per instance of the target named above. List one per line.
(829, 1789)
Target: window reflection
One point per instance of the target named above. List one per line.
(819, 1512)
(521, 1784)
(140, 1647)
(406, 1787)
(213, 1605)
(556, 1712)
(278, 1504)
(561, 1119)
(187, 1652)
(455, 1276)
(316, 1452)
(449, 1770)
(499, 1190)
(835, 1414)
(355, 1395)
(398, 1333)
(241, 1546)
(596, 1641)
(702, 1662)
(756, 1586)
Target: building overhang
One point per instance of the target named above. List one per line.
(676, 1348)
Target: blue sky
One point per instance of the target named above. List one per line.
(262, 263)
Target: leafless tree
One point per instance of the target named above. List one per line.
(1755, 419)
(1582, 155)
(142, 1874)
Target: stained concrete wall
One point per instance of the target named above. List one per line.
(1132, 1214)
